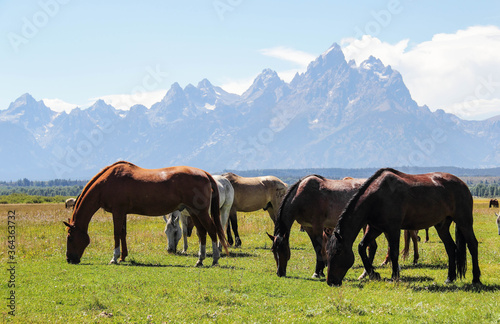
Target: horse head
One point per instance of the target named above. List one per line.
(281, 251)
(173, 231)
(77, 241)
(340, 259)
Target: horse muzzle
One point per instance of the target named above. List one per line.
(72, 259)
(334, 283)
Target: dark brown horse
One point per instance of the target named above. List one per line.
(390, 201)
(315, 203)
(494, 203)
(124, 188)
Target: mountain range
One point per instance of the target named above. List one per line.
(335, 114)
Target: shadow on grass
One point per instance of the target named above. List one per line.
(133, 263)
(439, 288)
(235, 254)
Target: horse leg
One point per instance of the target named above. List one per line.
(229, 236)
(234, 223)
(118, 224)
(387, 259)
(443, 230)
(406, 250)
(317, 242)
(123, 239)
(202, 238)
(206, 225)
(184, 221)
(224, 218)
(426, 235)
(472, 245)
(370, 236)
(393, 237)
(372, 250)
(414, 238)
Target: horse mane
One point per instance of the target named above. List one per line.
(354, 200)
(93, 180)
(279, 222)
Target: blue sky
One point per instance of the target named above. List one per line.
(71, 52)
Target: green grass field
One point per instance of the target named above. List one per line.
(155, 287)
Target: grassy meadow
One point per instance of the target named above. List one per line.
(155, 287)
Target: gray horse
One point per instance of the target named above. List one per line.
(173, 229)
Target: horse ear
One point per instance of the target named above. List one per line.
(66, 224)
(270, 236)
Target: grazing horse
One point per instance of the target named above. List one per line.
(494, 203)
(172, 229)
(315, 203)
(124, 188)
(69, 203)
(498, 222)
(251, 194)
(390, 201)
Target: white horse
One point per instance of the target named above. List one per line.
(498, 222)
(70, 202)
(173, 229)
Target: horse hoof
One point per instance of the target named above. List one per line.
(215, 264)
(448, 281)
(315, 276)
(363, 275)
(238, 242)
(113, 262)
(199, 263)
(375, 276)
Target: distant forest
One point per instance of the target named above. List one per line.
(482, 182)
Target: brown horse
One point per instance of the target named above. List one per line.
(315, 203)
(251, 194)
(124, 188)
(390, 201)
(494, 203)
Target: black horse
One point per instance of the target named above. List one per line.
(390, 201)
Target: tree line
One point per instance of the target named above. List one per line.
(485, 190)
(72, 188)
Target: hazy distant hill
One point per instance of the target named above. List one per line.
(335, 115)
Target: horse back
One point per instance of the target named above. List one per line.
(154, 191)
(422, 199)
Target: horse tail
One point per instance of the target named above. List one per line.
(215, 212)
(461, 258)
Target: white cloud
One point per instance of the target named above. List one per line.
(459, 73)
(289, 54)
(59, 105)
(119, 101)
(299, 58)
(125, 101)
(237, 86)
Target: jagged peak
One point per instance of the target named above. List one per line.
(372, 63)
(174, 91)
(334, 51)
(99, 104)
(24, 99)
(204, 84)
